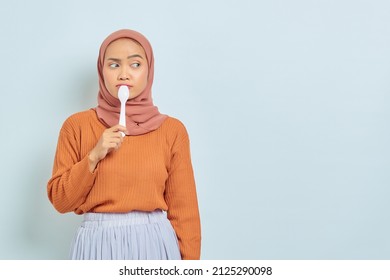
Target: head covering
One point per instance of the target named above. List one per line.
(141, 114)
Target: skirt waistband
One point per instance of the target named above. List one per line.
(130, 218)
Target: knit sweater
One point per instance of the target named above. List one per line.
(148, 172)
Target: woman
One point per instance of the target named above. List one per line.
(137, 192)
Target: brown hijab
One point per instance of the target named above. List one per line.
(141, 114)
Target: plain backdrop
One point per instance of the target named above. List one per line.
(286, 103)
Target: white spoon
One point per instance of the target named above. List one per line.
(123, 95)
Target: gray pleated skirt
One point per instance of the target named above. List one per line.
(125, 236)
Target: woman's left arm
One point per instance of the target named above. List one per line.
(181, 198)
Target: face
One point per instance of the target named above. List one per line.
(125, 63)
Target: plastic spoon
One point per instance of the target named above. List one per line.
(123, 95)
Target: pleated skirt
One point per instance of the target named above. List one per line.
(125, 236)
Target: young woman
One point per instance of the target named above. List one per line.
(137, 192)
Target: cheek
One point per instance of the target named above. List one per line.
(144, 78)
(110, 83)
(107, 77)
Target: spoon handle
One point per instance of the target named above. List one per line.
(122, 116)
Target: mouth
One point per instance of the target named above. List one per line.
(129, 86)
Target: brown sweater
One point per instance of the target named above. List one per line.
(148, 172)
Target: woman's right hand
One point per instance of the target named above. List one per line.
(110, 140)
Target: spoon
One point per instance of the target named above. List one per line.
(123, 95)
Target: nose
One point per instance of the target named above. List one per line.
(123, 75)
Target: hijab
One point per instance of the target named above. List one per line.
(141, 114)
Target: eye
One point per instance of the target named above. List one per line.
(113, 65)
(136, 65)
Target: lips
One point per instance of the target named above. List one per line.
(123, 85)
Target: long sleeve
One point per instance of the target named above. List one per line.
(150, 171)
(181, 198)
(71, 179)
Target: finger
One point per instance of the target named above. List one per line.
(123, 129)
(118, 127)
(113, 146)
(118, 135)
(118, 144)
(113, 135)
(115, 140)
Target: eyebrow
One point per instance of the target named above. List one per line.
(130, 56)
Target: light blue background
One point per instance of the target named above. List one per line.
(286, 103)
